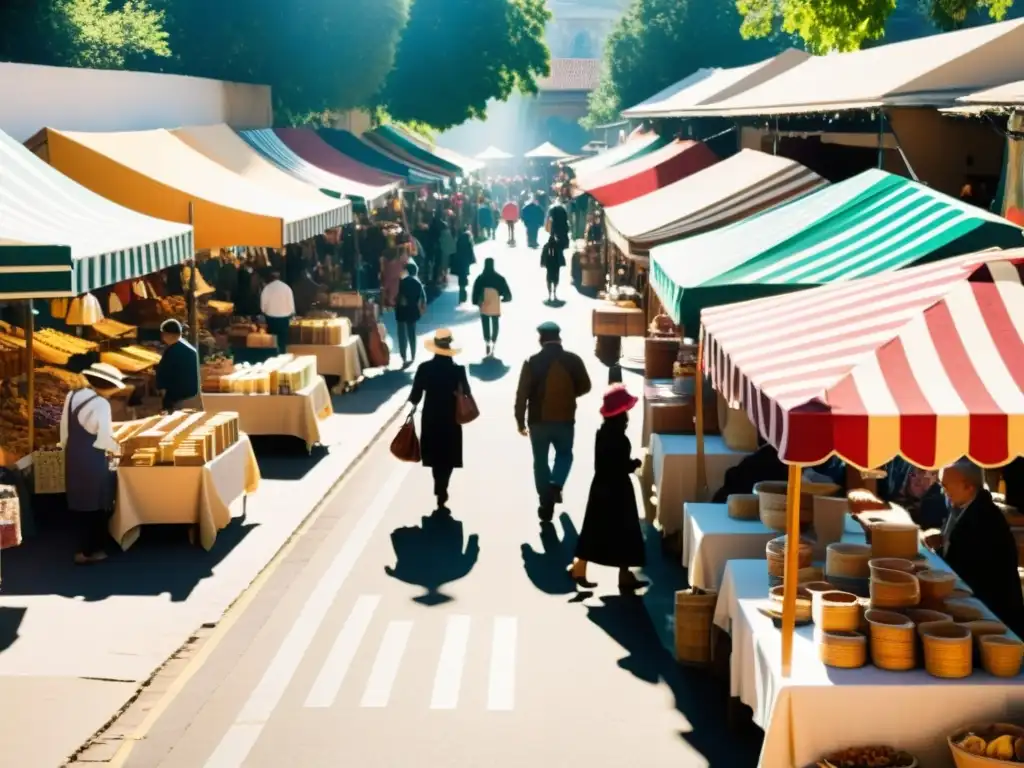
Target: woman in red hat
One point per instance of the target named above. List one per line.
(611, 532)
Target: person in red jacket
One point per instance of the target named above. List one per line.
(510, 215)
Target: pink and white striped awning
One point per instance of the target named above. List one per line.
(927, 363)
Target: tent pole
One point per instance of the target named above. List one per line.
(193, 312)
(792, 566)
(30, 373)
(702, 475)
(881, 140)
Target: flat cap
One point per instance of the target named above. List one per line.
(548, 326)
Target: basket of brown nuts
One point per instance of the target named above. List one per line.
(869, 757)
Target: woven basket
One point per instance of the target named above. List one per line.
(894, 540)
(963, 609)
(836, 611)
(859, 587)
(948, 651)
(964, 759)
(1001, 655)
(803, 602)
(925, 615)
(892, 640)
(847, 561)
(891, 564)
(695, 612)
(804, 575)
(738, 432)
(775, 554)
(771, 500)
(743, 506)
(830, 514)
(893, 589)
(48, 471)
(816, 586)
(936, 585)
(845, 650)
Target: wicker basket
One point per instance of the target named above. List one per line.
(891, 564)
(695, 612)
(948, 652)
(847, 561)
(738, 432)
(835, 611)
(48, 471)
(964, 759)
(814, 587)
(925, 615)
(892, 640)
(936, 585)
(963, 609)
(1001, 655)
(893, 589)
(894, 540)
(803, 602)
(775, 554)
(830, 513)
(845, 650)
(743, 506)
(809, 574)
(771, 500)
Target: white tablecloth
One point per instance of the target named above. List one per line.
(820, 709)
(711, 538)
(675, 472)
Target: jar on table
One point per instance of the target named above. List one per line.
(684, 369)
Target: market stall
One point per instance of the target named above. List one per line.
(337, 350)
(638, 143)
(281, 396)
(351, 145)
(394, 143)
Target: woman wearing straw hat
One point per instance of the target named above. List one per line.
(437, 382)
(87, 436)
(611, 532)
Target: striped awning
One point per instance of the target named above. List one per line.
(58, 238)
(643, 175)
(927, 363)
(875, 222)
(638, 143)
(361, 151)
(728, 191)
(395, 143)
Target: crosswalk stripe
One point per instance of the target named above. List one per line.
(501, 689)
(385, 667)
(448, 679)
(332, 674)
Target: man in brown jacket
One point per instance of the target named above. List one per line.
(549, 384)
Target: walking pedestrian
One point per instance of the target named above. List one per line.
(462, 261)
(438, 382)
(485, 218)
(489, 291)
(510, 215)
(411, 304)
(552, 259)
(550, 382)
(533, 220)
(611, 532)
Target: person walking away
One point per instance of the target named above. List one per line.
(533, 220)
(412, 303)
(437, 382)
(463, 260)
(277, 304)
(552, 260)
(558, 230)
(611, 532)
(485, 218)
(489, 291)
(510, 215)
(87, 437)
(550, 382)
(447, 247)
(495, 217)
(177, 373)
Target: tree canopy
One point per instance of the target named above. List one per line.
(658, 42)
(456, 55)
(846, 25)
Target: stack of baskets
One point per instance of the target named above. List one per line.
(776, 596)
(846, 567)
(893, 643)
(894, 540)
(947, 649)
(772, 502)
(775, 554)
(893, 583)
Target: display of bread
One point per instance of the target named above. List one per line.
(182, 438)
(327, 331)
(281, 375)
(114, 329)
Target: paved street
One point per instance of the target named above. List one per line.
(388, 636)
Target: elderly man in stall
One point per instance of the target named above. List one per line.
(977, 543)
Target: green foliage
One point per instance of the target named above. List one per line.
(81, 33)
(456, 55)
(846, 25)
(659, 42)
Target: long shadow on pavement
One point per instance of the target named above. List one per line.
(285, 457)
(374, 391)
(488, 369)
(431, 555)
(548, 569)
(10, 621)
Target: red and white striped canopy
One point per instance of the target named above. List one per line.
(927, 363)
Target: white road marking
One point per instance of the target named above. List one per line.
(332, 673)
(501, 690)
(385, 667)
(448, 679)
(240, 738)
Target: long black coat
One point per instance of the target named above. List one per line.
(435, 383)
(981, 549)
(611, 532)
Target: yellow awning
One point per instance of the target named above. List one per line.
(155, 173)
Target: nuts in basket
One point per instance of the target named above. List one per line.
(869, 757)
(995, 742)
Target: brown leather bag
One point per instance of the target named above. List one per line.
(406, 445)
(465, 407)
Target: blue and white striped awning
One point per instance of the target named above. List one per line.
(58, 238)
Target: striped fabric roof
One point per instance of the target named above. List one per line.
(728, 191)
(466, 164)
(58, 238)
(388, 149)
(270, 145)
(394, 140)
(927, 364)
(642, 175)
(875, 222)
(363, 152)
(638, 143)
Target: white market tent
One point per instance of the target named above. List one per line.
(1007, 95)
(546, 151)
(713, 85)
(492, 153)
(928, 72)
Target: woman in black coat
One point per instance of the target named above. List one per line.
(611, 532)
(437, 382)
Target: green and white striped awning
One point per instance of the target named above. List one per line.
(875, 222)
(57, 238)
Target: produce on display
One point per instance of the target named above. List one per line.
(868, 757)
(280, 375)
(996, 742)
(114, 329)
(330, 332)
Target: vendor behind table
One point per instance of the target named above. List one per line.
(277, 303)
(177, 373)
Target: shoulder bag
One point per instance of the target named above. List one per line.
(465, 407)
(406, 445)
